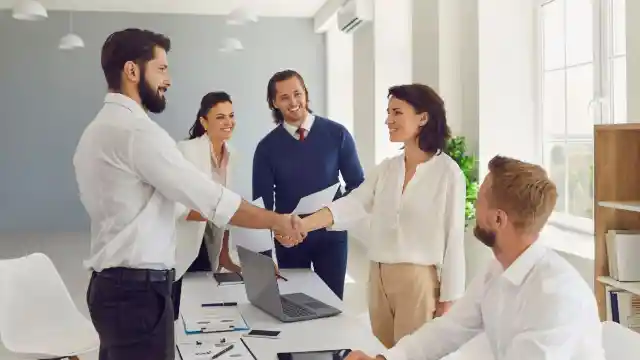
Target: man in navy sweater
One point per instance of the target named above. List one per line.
(302, 155)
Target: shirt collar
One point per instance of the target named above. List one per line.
(126, 102)
(226, 154)
(306, 125)
(523, 265)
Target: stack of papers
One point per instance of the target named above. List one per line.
(213, 319)
(223, 347)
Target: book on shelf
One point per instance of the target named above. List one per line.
(623, 249)
(623, 308)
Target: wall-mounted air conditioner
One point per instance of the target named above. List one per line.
(353, 14)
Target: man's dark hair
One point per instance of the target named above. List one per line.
(208, 101)
(129, 45)
(433, 136)
(278, 118)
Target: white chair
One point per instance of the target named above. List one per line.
(38, 318)
(619, 342)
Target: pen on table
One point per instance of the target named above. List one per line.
(220, 304)
(222, 352)
(281, 277)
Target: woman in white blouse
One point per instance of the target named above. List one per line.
(201, 246)
(416, 204)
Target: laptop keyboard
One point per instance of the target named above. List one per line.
(294, 310)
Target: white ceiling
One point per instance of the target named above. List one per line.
(288, 8)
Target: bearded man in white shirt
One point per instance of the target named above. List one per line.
(531, 303)
(131, 174)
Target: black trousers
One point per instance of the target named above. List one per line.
(132, 311)
(201, 263)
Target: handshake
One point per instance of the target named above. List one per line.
(289, 230)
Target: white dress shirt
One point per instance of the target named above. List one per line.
(424, 225)
(539, 308)
(130, 175)
(306, 125)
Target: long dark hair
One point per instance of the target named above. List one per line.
(208, 101)
(433, 136)
(278, 118)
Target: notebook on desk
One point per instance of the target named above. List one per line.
(228, 278)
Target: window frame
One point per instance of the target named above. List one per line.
(603, 85)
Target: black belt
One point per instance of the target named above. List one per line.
(128, 274)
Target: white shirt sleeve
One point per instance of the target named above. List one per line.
(445, 334)
(157, 160)
(349, 210)
(453, 274)
(556, 321)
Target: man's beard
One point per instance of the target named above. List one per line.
(150, 98)
(487, 237)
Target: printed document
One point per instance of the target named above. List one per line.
(257, 240)
(316, 201)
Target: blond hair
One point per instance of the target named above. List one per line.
(523, 191)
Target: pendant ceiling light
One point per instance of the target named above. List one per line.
(71, 40)
(242, 15)
(29, 10)
(231, 44)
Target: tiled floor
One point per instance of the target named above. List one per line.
(67, 251)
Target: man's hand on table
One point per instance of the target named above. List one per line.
(359, 355)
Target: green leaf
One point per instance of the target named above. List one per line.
(457, 149)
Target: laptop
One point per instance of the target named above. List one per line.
(262, 289)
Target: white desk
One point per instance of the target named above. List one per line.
(342, 331)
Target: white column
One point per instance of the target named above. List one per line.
(445, 53)
(340, 94)
(507, 79)
(382, 58)
(633, 60)
(393, 62)
(364, 107)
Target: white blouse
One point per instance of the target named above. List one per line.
(425, 225)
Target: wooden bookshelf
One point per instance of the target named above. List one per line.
(617, 197)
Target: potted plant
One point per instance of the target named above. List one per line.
(477, 255)
(457, 150)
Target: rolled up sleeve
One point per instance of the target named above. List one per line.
(228, 205)
(157, 160)
(350, 210)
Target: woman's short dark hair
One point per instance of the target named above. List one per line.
(208, 101)
(433, 136)
(129, 45)
(278, 118)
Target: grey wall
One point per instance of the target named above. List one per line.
(48, 96)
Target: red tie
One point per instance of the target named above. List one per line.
(300, 132)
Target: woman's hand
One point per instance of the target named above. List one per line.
(289, 233)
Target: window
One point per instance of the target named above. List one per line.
(582, 83)
(615, 41)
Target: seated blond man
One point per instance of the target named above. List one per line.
(531, 303)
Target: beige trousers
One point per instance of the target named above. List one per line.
(402, 297)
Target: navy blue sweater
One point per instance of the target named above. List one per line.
(286, 169)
